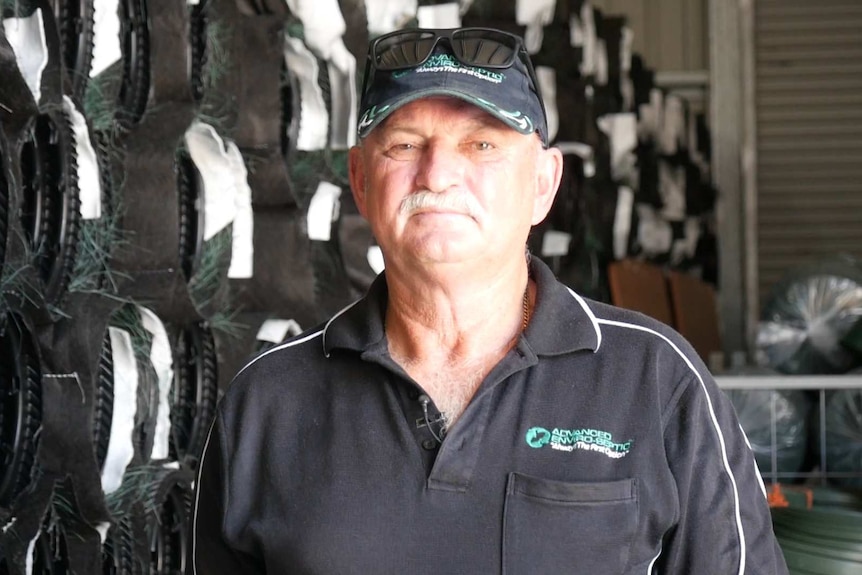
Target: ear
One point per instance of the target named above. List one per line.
(356, 175)
(549, 172)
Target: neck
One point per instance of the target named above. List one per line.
(448, 336)
(456, 321)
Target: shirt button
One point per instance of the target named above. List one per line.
(429, 444)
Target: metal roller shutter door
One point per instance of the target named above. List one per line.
(808, 103)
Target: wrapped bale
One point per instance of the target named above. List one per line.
(808, 316)
(843, 436)
(783, 452)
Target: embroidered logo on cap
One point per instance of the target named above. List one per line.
(369, 116)
(448, 63)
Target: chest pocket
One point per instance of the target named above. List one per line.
(559, 528)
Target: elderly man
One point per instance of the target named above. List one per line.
(471, 414)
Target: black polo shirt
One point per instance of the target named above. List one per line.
(598, 445)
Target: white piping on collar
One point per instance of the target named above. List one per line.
(592, 317)
(285, 345)
(212, 425)
(332, 319)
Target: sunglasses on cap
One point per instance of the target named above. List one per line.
(475, 47)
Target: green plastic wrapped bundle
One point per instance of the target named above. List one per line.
(811, 316)
(754, 408)
(844, 436)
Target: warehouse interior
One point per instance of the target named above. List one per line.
(174, 200)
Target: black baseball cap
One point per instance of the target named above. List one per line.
(510, 94)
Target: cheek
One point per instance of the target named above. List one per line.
(504, 184)
(384, 195)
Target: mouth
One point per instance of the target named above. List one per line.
(441, 214)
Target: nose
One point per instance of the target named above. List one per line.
(441, 167)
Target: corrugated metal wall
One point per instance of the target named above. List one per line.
(808, 115)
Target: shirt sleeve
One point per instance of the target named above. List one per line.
(210, 553)
(725, 525)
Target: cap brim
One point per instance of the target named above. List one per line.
(374, 117)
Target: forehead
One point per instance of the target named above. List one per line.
(448, 110)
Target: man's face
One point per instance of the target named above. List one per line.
(441, 181)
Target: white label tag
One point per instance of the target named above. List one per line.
(388, 15)
(342, 82)
(375, 259)
(106, 35)
(555, 243)
(26, 36)
(278, 330)
(163, 363)
(210, 157)
(89, 183)
(623, 221)
(322, 211)
(547, 78)
(322, 24)
(314, 119)
(439, 16)
(120, 447)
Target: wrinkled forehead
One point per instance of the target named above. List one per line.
(448, 113)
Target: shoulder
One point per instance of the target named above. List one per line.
(277, 366)
(630, 332)
(306, 345)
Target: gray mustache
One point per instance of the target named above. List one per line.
(456, 202)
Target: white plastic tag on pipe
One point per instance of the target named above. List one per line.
(623, 221)
(31, 550)
(313, 120)
(210, 157)
(375, 259)
(671, 187)
(388, 15)
(672, 127)
(102, 529)
(106, 35)
(323, 27)
(163, 364)
(278, 330)
(322, 24)
(686, 246)
(439, 16)
(342, 82)
(322, 211)
(583, 34)
(555, 243)
(227, 195)
(89, 182)
(26, 36)
(547, 78)
(535, 15)
(622, 132)
(120, 447)
(654, 235)
(242, 243)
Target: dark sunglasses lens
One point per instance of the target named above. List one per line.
(484, 48)
(403, 50)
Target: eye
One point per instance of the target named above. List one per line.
(483, 145)
(402, 150)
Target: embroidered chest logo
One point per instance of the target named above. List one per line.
(583, 439)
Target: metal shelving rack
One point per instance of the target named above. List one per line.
(816, 383)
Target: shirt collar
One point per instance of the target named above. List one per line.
(562, 321)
